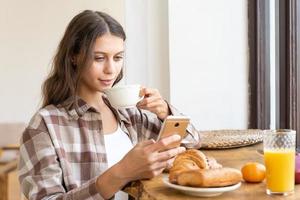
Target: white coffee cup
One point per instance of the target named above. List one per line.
(123, 96)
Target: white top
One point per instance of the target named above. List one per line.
(117, 144)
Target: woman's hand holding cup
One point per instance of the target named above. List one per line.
(153, 102)
(126, 96)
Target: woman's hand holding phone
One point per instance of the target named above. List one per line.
(148, 159)
(174, 125)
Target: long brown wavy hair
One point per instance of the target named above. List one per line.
(78, 41)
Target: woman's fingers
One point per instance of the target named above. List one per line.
(146, 161)
(146, 142)
(146, 91)
(154, 173)
(158, 166)
(170, 163)
(169, 154)
(150, 102)
(163, 143)
(156, 108)
(153, 102)
(149, 91)
(142, 91)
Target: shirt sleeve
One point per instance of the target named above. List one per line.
(192, 138)
(40, 174)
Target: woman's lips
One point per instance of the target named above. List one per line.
(107, 82)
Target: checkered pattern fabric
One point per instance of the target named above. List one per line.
(62, 150)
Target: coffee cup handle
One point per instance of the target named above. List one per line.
(141, 98)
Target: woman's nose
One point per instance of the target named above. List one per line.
(109, 67)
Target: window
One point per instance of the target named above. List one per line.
(287, 64)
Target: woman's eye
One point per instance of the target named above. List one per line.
(118, 58)
(99, 58)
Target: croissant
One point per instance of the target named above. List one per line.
(179, 168)
(194, 155)
(189, 160)
(210, 177)
(193, 168)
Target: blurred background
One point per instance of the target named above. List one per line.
(195, 52)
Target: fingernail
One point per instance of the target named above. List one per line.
(182, 149)
(152, 141)
(176, 137)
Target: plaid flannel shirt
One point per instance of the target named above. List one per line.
(62, 150)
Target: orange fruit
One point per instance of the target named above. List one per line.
(253, 172)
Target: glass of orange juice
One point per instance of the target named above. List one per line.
(279, 155)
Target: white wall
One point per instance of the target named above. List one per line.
(147, 53)
(30, 32)
(209, 62)
(193, 51)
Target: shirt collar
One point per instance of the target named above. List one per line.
(77, 107)
(117, 113)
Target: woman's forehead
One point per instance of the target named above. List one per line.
(109, 43)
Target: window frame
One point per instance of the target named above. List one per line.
(259, 64)
(287, 64)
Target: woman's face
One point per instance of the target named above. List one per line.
(106, 65)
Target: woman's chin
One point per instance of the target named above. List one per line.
(103, 88)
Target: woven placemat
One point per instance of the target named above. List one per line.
(224, 139)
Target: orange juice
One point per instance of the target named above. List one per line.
(280, 170)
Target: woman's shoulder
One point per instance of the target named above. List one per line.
(48, 112)
(51, 110)
(38, 126)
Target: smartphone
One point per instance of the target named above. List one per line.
(174, 125)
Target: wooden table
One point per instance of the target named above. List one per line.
(9, 184)
(154, 189)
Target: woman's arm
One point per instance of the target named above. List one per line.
(146, 160)
(154, 103)
(40, 173)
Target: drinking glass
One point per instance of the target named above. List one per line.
(279, 155)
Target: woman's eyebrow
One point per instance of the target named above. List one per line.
(102, 52)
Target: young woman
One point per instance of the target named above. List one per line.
(78, 146)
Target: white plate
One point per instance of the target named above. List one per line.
(201, 192)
